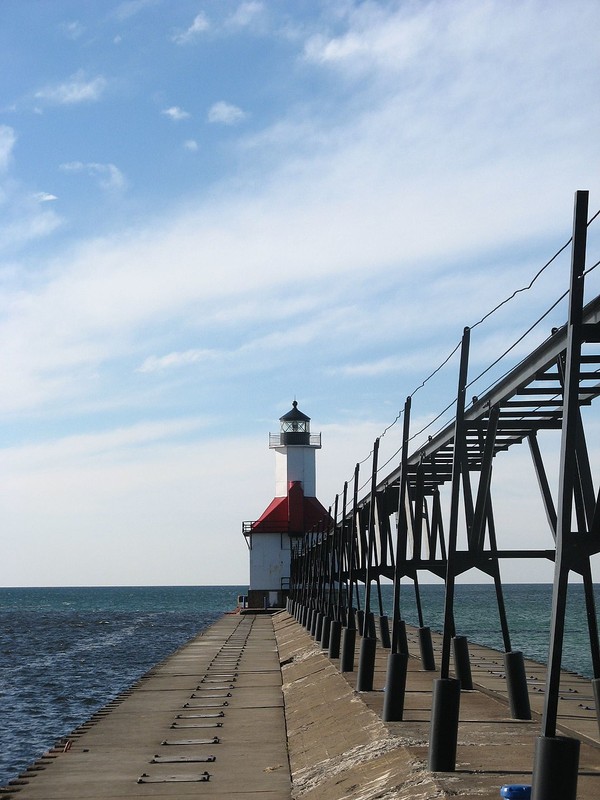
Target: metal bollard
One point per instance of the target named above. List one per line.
(462, 664)
(426, 648)
(443, 735)
(384, 632)
(348, 648)
(555, 767)
(366, 664)
(369, 626)
(395, 687)
(325, 632)
(317, 626)
(335, 635)
(516, 683)
(360, 621)
(305, 617)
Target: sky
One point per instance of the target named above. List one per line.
(210, 209)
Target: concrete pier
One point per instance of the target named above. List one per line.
(253, 708)
(207, 722)
(340, 748)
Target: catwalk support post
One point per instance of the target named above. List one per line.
(446, 698)
(368, 644)
(558, 754)
(395, 681)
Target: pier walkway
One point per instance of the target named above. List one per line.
(207, 722)
(253, 709)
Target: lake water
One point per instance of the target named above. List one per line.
(64, 653)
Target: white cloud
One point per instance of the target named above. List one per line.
(191, 145)
(132, 7)
(175, 113)
(8, 139)
(246, 13)
(93, 446)
(149, 479)
(225, 113)
(174, 360)
(45, 197)
(380, 39)
(198, 26)
(109, 176)
(72, 30)
(29, 225)
(22, 221)
(77, 89)
(382, 366)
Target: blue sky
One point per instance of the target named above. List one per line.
(210, 208)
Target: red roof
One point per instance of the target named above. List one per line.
(293, 514)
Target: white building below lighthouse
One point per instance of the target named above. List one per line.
(293, 511)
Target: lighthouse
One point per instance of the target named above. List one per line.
(293, 511)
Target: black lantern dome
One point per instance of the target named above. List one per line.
(295, 427)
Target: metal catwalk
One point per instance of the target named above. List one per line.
(405, 527)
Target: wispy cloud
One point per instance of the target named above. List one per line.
(78, 448)
(382, 366)
(45, 197)
(191, 145)
(246, 13)
(72, 30)
(109, 176)
(132, 7)
(8, 138)
(175, 113)
(225, 113)
(77, 89)
(198, 27)
(175, 360)
(30, 224)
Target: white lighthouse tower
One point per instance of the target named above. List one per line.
(293, 511)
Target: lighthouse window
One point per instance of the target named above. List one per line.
(294, 426)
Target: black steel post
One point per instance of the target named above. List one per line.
(331, 578)
(556, 754)
(335, 628)
(446, 697)
(349, 632)
(454, 505)
(380, 555)
(402, 528)
(368, 644)
(397, 664)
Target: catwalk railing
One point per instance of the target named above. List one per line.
(405, 526)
